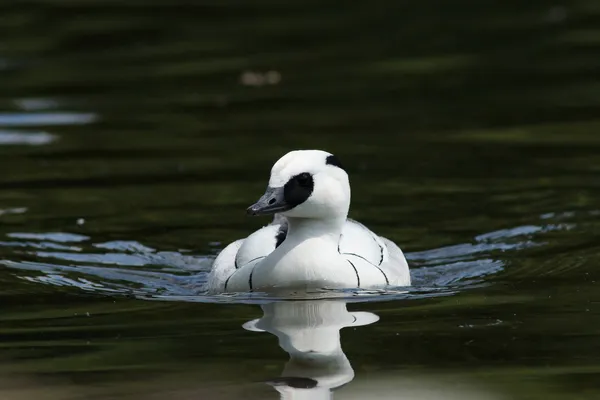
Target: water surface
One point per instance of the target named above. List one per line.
(133, 137)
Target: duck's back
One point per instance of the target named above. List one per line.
(374, 258)
(261, 243)
(245, 251)
(358, 240)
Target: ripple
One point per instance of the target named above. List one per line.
(131, 268)
(125, 246)
(521, 231)
(486, 243)
(36, 104)
(14, 210)
(41, 245)
(46, 118)
(26, 138)
(61, 237)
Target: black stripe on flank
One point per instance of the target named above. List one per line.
(254, 259)
(252, 272)
(387, 281)
(227, 281)
(356, 272)
(380, 249)
(372, 237)
(356, 255)
(250, 279)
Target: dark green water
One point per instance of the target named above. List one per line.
(134, 135)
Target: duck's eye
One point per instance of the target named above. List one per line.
(303, 179)
(298, 189)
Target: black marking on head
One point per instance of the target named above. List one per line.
(356, 272)
(281, 235)
(333, 160)
(298, 189)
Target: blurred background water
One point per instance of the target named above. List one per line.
(134, 134)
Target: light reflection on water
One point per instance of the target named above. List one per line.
(37, 112)
(36, 104)
(25, 138)
(45, 119)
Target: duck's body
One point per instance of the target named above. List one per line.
(369, 260)
(310, 244)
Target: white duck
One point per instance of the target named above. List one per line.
(311, 244)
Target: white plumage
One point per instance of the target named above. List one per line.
(310, 244)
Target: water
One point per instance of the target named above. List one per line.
(133, 137)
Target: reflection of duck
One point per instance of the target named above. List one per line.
(309, 331)
(311, 243)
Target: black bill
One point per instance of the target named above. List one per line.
(273, 201)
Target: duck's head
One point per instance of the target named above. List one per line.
(306, 184)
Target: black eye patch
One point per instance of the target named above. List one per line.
(304, 179)
(298, 189)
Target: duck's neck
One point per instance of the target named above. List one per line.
(301, 229)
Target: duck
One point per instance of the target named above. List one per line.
(310, 242)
